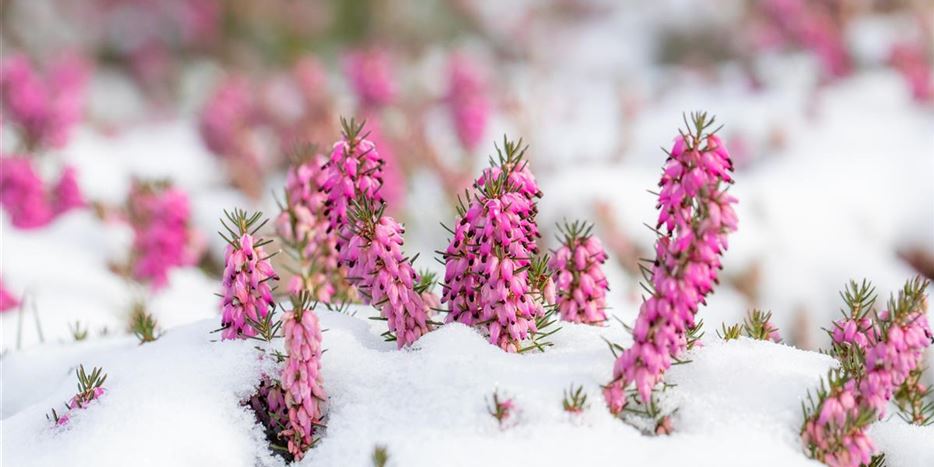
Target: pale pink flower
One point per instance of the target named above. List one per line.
(468, 100)
(22, 193)
(578, 275)
(162, 236)
(301, 378)
(371, 76)
(247, 294)
(696, 214)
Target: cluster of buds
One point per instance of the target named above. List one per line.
(90, 388)
(835, 425)
(913, 62)
(371, 76)
(8, 301)
(575, 400)
(502, 408)
(468, 101)
(697, 214)
(489, 277)
(578, 275)
(268, 404)
(383, 276)
(25, 198)
(814, 26)
(44, 108)
(303, 229)
(162, 236)
(354, 170)
(227, 125)
(301, 376)
(247, 296)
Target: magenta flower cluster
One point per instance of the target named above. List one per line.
(578, 276)
(468, 100)
(353, 170)
(887, 351)
(384, 277)
(162, 236)
(46, 106)
(302, 226)
(301, 378)
(8, 301)
(487, 263)
(90, 388)
(25, 198)
(697, 215)
(247, 295)
(371, 77)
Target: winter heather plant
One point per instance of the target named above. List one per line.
(26, 199)
(874, 365)
(247, 295)
(354, 170)
(696, 216)
(502, 408)
(383, 276)
(301, 377)
(494, 278)
(42, 106)
(578, 275)
(162, 235)
(302, 227)
(8, 301)
(371, 77)
(468, 101)
(90, 388)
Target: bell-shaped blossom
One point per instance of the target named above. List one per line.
(162, 236)
(834, 433)
(384, 277)
(696, 215)
(468, 99)
(43, 106)
(371, 77)
(301, 378)
(578, 275)
(488, 262)
(354, 170)
(247, 295)
(303, 227)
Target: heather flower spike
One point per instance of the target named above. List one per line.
(353, 170)
(578, 274)
(301, 376)
(302, 226)
(494, 277)
(163, 239)
(695, 217)
(247, 294)
(90, 388)
(857, 394)
(383, 276)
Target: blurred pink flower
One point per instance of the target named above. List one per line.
(468, 100)
(371, 77)
(162, 236)
(8, 301)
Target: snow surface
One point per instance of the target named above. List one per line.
(176, 402)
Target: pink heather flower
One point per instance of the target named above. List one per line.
(384, 277)
(8, 301)
(162, 236)
(910, 59)
(811, 26)
(579, 276)
(67, 194)
(468, 100)
(45, 108)
(488, 280)
(90, 388)
(353, 170)
(301, 377)
(247, 296)
(22, 193)
(697, 215)
(226, 116)
(303, 227)
(833, 432)
(371, 77)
